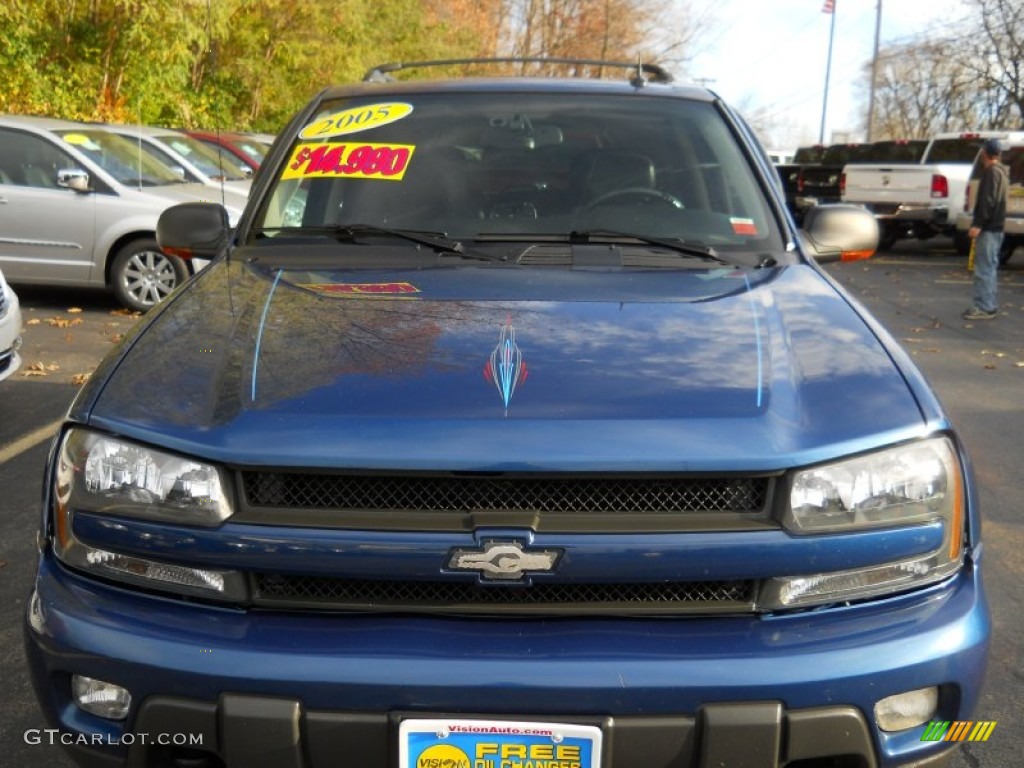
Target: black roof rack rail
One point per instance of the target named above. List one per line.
(657, 74)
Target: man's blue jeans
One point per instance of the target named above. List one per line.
(986, 267)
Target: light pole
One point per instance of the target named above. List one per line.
(874, 72)
(830, 8)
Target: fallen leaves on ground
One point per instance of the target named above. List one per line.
(74, 310)
(126, 312)
(63, 322)
(80, 378)
(39, 369)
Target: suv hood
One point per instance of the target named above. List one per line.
(504, 368)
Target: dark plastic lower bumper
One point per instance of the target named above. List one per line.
(241, 730)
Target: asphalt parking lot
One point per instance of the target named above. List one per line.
(917, 291)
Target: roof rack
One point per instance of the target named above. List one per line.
(381, 73)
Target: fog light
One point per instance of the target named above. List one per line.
(100, 698)
(907, 710)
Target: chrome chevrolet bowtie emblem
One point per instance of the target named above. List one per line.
(504, 560)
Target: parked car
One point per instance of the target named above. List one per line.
(79, 205)
(532, 435)
(191, 158)
(920, 200)
(10, 330)
(1013, 232)
(247, 150)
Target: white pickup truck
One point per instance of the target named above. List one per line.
(921, 199)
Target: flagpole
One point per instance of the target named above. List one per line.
(828, 72)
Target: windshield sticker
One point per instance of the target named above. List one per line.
(364, 290)
(355, 120)
(80, 140)
(743, 226)
(506, 369)
(355, 161)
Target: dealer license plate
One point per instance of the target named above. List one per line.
(443, 743)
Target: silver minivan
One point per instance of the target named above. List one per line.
(79, 206)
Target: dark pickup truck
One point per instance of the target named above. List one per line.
(819, 184)
(789, 173)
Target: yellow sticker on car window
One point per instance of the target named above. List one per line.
(355, 120)
(80, 140)
(349, 160)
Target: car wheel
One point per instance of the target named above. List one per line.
(142, 275)
(887, 238)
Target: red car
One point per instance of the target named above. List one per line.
(244, 149)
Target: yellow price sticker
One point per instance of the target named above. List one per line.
(349, 160)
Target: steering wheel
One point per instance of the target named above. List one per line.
(641, 193)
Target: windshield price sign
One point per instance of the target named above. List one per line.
(497, 744)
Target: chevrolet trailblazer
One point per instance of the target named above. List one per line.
(514, 426)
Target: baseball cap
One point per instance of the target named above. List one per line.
(992, 147)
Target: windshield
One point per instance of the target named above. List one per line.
(909, 151)
(959, 150)
(493, 166)
(841, 154)
(207, 160)
(253, 149)
(121, 158)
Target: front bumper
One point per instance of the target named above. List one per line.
(306, 688)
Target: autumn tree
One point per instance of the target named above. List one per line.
(997, 44)
(621, 30)
(971, 80)
(922, 88)
(249, 64)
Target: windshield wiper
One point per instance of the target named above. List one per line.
(438, 241)
(705, 252)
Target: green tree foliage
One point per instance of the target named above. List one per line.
(249, 64)
(207, 63)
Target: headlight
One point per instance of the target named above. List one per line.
(105, 475)
(913, 484)
(115, 477)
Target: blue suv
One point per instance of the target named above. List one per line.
(514, 426)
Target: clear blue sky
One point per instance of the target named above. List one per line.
(772, 54)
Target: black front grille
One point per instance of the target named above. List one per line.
(447, 493)
(319, 592)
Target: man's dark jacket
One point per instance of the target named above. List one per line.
(990, 208)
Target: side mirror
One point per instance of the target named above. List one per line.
(73, 178)
(839, 232)
(192, 230)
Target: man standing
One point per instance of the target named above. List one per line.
(987, 231)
